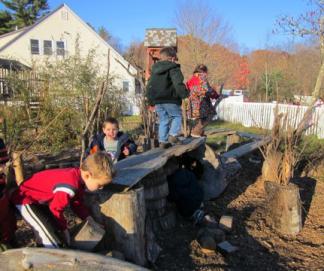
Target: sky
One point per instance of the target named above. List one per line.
(251, 21)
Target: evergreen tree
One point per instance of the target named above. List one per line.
(5, 19)
(22, 12)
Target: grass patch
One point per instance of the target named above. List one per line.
(130, 119)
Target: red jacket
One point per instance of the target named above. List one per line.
(56, 187)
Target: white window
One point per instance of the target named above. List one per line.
(34, 47)
(48, 50)
(125, 86)
(60, 48)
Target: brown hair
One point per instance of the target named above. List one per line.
(168, 52)
(100, 165)
(110, 120)
(201, 68)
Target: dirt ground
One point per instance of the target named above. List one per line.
(260, 248)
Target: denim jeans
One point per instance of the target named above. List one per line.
(170, 117)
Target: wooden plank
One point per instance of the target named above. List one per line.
(60, 259)
(249, 135)
(219, 131)
(131, 170)
(246, 148)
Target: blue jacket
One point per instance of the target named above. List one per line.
(97, 144)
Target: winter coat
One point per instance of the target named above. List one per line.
(166, 84)
(200, 93)
(97, 144)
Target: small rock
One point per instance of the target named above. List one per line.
(226, 222)
(227, 247)
(207, 244)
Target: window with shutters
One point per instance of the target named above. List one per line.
(48, 50)
(34, 47)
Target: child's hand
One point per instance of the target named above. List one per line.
(126, 151)
(67, 237)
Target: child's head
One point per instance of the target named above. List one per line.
(201, 68)
(110, 128)
(97, 170)
(168, 53)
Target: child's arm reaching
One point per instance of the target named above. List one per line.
(60, 201)
(78, 206)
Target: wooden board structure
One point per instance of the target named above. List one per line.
(131, 170)
(246, 148)
(42, 259)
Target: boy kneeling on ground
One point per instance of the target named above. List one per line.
(42, 199)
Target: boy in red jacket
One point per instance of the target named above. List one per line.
(42, 199)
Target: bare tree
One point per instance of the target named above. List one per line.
(309, 23)
(199, 20)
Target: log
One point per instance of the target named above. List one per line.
(231, 140)
(18, 167)
(284, 207)
(42, 259)
(157, 192)
(125, 216)
(155, 178)
(152, 247)
(217, 174)
(156, 204)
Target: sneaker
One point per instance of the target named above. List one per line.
(174, 140)
(164, 145)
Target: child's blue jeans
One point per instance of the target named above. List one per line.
(170, 117)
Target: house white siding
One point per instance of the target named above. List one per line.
(65, 26)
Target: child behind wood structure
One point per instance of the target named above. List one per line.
(42, 199)
(165, 91)
(116, 143)
(7, 216)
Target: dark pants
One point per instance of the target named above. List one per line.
(7, 220)
(40, 218)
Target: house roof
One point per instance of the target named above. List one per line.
(29, 28)
(13, 65)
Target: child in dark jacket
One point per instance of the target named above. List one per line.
(43, 198)
(7, 216)
(116, 143)
(165, 91)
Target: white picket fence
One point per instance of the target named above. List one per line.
(262, 115)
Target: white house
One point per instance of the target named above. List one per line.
(54, 36)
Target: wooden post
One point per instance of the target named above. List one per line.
(18, 167)
(231, 139)
(125, 217)
(284, 207)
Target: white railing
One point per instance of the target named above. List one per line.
(262, 115)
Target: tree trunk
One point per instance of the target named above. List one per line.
(284, 207)
(43, 259)
(125, 216)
